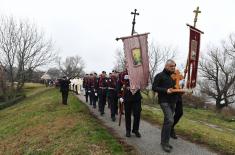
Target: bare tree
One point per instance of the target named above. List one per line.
(218, 76)
(8, 46)
(24, 47)
(33, 50)
(72, 66)
(54, 72)
(158, 55)
(119, 60)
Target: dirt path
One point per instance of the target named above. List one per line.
(149, 143)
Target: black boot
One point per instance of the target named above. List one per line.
(128, 134)
(166, 148)
(173, 135)
(137, 134)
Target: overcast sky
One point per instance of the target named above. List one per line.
(88, 28)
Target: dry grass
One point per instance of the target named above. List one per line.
(42, 125)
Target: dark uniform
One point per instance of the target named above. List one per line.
(92, 90)
(96, 88)
(64, 89)
(113, 95)
(132, 103)
(103, 83)
(85, 86)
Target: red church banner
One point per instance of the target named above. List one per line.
(194, 49)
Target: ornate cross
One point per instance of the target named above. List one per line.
(133, 23)
(177, 77)
(196, 14)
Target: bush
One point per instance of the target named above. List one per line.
(194, 101)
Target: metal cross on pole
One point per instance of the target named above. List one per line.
(133, 22)
(196, 14)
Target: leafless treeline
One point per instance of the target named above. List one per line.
(23, 48)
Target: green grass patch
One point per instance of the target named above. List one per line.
(42, 125)
(201, 126)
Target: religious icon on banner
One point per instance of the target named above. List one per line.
(136, 55)
(193, 49)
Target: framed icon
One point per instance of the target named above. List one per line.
(136, 56)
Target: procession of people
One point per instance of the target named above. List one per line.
(113, 91)
(121, 91)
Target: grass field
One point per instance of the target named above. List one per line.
(42, 125)
(201, 126)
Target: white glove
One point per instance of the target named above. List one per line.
(121, 100)
(89, 91)
(95, 94)
(126, 77)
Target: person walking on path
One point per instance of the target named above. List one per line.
(163, 83)
(132, 103)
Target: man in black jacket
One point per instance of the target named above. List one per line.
(163, 83)
(64, 89)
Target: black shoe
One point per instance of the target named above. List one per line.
(137, 134)
(173, 135)
(128, 134)
(166, 148)
(170, 146)
(113, 119)
(102, 113)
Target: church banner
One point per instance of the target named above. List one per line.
(194, 49)
(137, 60)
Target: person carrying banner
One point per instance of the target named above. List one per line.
(163, 83)
(102, 92)
(132, 103)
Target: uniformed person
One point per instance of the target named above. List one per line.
(96, 88)
(91, 90)
(85, 86)
(113, 94)
(108, 91)
(103, 81)
(132, 103)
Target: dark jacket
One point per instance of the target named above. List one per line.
(64, 85)
(162, 82)
(124, 91)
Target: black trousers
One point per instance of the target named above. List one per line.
(64, 97)
(178, 111)
(135, 108)
(102, 100)
(86, 94)
(91, 96)
(113, 98)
